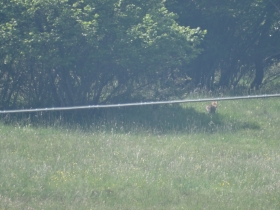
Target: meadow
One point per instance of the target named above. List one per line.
(150, 157)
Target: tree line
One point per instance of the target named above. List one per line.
(242, 42)
(78, 52)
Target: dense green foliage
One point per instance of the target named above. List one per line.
(242, 42)
(86, 52)
(73, 52)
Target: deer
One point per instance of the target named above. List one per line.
(211, 109)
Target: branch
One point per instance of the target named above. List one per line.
(272, 56)
(275, 6)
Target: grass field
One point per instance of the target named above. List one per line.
(165, 157)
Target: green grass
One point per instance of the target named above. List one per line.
(167, 157)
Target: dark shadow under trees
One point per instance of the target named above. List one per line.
(155, 119)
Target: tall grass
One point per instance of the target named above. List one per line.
(166, 157)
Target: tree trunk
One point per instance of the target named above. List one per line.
(259, 73)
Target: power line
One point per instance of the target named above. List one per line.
(137, 104)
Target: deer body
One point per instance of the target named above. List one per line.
(211, 109)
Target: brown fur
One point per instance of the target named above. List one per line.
(212, 107)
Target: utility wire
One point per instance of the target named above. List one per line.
(137, 104)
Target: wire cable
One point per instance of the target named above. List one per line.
(137, 104)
